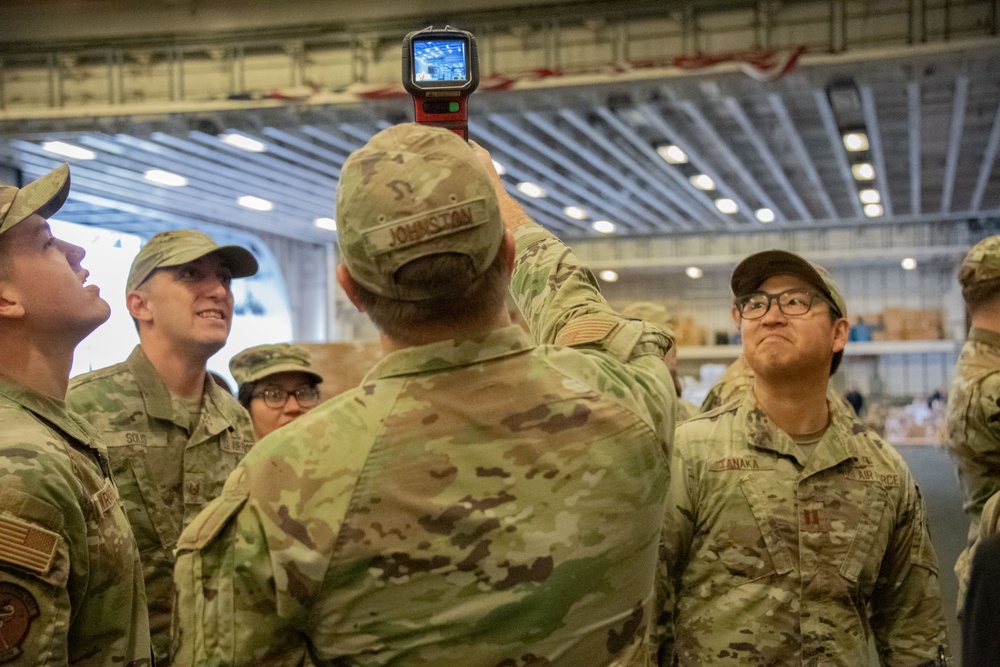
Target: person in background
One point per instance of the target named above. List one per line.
(71, 590)
(734, 383)
(657, 314)
(173, 434)
(479, 500)
(793, 535)
(276, 384)
(974, 395)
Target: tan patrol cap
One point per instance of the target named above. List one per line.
(44, 196)
(181, 246)
(751, 273)
(651, 312)
(410, 192)
(982, 263)
(261, 361)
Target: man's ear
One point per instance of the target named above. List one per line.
(349, 286)
(11, 306)
(138, 306)
(841, 331)
(510, 254)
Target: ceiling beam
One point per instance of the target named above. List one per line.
(806, 160)
(875, 146)
(837, 147)
(916, 131)
(954, 140)
(989, 157)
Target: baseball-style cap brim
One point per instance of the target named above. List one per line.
(44, 196)
(751, 273)
(239, 260)
(290, 367)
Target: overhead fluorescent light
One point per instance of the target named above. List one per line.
(672, 154)
(694, 272)
(703, 182)
(870, 196)
(908, 264)
(726, 205)
(69, 150)
(575, 212)
(863, 171)
(608, 276)
(532, 190)
(603, 226)
(873, 210)
(328, 224)
(161, 177)
(499, 168)
(255, 203)
(856, 141)
(243, 142)
(764, 215)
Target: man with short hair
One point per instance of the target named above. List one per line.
(173, 434)
(974, 394)
(71, 587)
(479, 500)
(793, 535)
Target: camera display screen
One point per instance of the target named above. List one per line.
(440, 60)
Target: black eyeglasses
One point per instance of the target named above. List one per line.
(275, 397)
(793, 302)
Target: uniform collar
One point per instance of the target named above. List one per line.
(985, 336)
(454, 353)
(51, 410)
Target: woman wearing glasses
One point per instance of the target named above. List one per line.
(277, 384)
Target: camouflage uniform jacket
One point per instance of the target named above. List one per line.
(70, 580)
(475, 502)
(974, 432)
(775, 561)
(165, 474)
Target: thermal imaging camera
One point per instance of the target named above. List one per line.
(440, 71)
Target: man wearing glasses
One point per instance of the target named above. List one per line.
(276, 384)
(173, 434)
(793, 534)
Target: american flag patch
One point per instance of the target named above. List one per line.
(26, 545)
(585, 330)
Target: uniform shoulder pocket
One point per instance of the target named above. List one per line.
(214, 518)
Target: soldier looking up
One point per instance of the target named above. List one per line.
(70, 579)
(793, 534)
(173, 434)
(480, 499)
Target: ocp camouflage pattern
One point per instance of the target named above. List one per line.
(773, 560)
(475, 502)
(69, 567)
(165, 474)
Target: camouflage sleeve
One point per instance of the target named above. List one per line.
(907, 615)
(989, 407)
(989, 524)
(675, 544)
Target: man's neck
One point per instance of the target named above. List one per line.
(437, 334)
(41, 368)
(794, 407)
(987, 318)
(183, 373)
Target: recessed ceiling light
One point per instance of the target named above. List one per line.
(243, 142)
(531, 190)
(255, 203)
(499, 168)
(908, 263)
(162, 177)
(726, 205)
(672, 154)
(603, 226)
(873, 210)
(328, 224)
(870, 196)
(69, 150)
(575, 212)
(703, 182)
(694, 272)
(608, 276)
(764, 214)
(863, 171)
(856, 141)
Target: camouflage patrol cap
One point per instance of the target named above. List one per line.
(261, 361)
(751, 273)
(982, 263)
(181, 246)
(43, 196)
(653, 313)
(410, 192)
